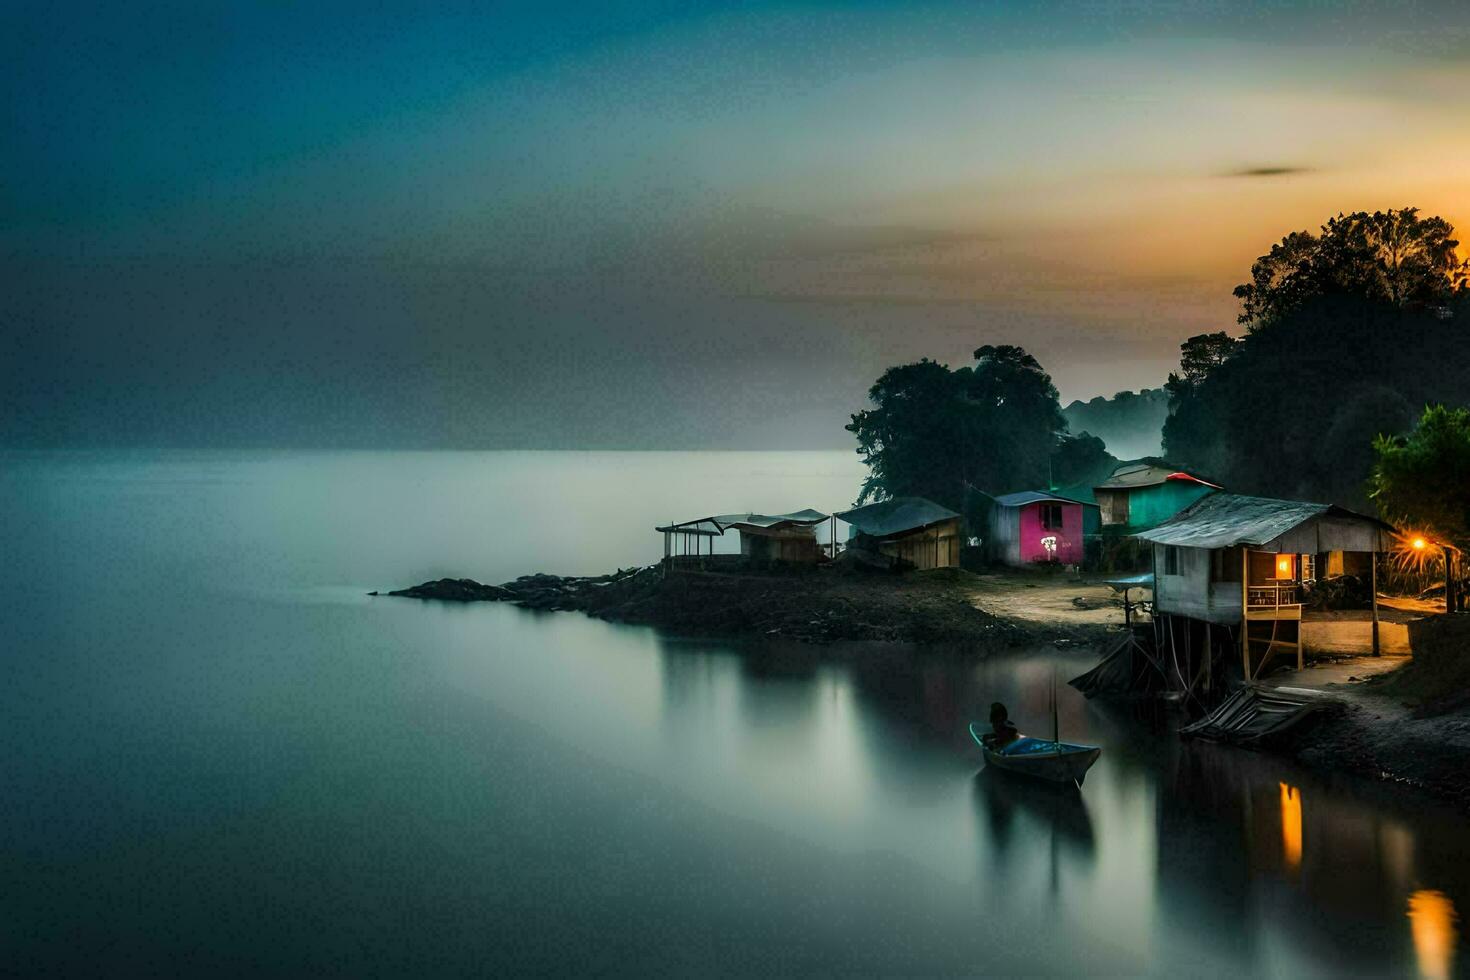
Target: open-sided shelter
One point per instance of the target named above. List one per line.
(763, 537)
(909, 530)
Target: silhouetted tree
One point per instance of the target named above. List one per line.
(1392, 256)
(1348, 330)
(1081, 459)
(1198, 356)
(933, 432)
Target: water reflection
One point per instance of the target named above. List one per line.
(1058, 812)
(1177, 853)
(1433, 920)
(1291, 827)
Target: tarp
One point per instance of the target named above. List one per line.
(1228, 520)
(1023, 497)
(896, 516)
(719, 524)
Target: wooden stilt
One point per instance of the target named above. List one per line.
(1373, 585)
(1245, 623)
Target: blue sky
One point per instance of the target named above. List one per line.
(605, 200)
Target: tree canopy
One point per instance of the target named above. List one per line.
(1392, 256)
(1349, 332)
(937, 433)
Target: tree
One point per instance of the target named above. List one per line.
(1363, 322)
(1423, 480)
(1199, 356)
(907, 438)
(1392, 256)
(1081, 459)
(933, 432)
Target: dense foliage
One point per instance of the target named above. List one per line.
(1350, 332)
(937, 433)
(1422, 481)
(1393, 257)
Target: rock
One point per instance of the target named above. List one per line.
(454, 590)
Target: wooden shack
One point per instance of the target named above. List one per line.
(1144, 493)
(908, 531)
(1036, 526)
(1240, 562)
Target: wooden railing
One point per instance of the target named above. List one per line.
(1274, 595)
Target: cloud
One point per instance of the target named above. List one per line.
(1273, 171)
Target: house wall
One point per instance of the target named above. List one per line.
(933, 547)
(1031, 546)
(786, 546)
(1004, 544)
(1150, 506)
(1190, 592)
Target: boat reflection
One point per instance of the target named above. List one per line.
(1005, 798)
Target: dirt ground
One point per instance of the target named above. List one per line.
(1051, 599)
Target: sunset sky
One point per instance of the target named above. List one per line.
(649, 224)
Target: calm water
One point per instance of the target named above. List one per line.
(220, 756)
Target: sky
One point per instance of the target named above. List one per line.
(660, 225)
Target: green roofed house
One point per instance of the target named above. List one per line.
(1145, 493)
(909, 531)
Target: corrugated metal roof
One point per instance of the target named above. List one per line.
(896, 516)
(721, 523)
(1131, 476)
(1023, 497)
(1228, 520)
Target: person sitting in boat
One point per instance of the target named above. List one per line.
(1002, 730)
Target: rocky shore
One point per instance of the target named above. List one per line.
(1409, 726)
(814, 605)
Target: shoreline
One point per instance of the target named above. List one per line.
(815, 605)
(1397, 729)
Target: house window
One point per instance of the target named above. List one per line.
(1171, 560)
(1051, 517)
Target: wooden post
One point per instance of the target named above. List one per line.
(1373, 585)
(1209, 653)
(1245, 623)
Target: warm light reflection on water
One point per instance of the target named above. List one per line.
(1291, 826)
(1432, 918)
(560, 793)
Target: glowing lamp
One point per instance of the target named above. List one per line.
(1283, 566)
(1420, 544)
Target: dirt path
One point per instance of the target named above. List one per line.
(1032, 597)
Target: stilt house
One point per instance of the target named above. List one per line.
(1240, 562)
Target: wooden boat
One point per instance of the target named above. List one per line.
(1059, 762)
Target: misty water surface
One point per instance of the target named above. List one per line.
(221, 756)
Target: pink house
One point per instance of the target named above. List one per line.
(1034, 526)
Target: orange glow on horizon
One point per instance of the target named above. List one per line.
(1432, 920)
(1291, 826)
